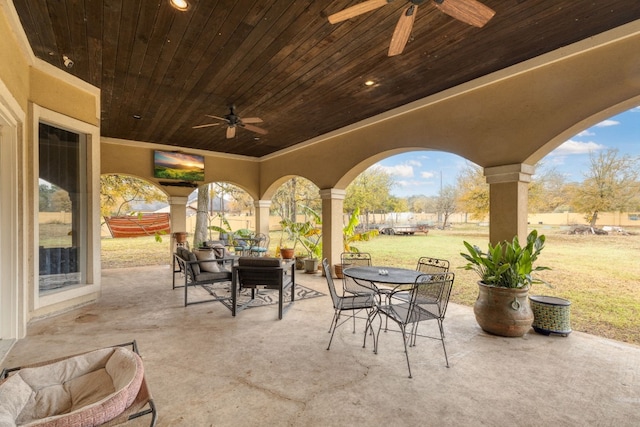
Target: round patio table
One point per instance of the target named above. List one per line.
(394, 275)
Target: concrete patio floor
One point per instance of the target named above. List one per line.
(206, 368)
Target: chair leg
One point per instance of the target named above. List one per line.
(406, 350)
(334, 325)
(442, 339)
(369, 326)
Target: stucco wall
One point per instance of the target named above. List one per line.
(14, 68)
(136, 159)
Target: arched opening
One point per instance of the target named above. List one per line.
(135, 222)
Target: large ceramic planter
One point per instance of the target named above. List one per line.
(311, 265)
(503, 311)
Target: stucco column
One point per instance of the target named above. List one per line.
(178, 215)
(508, 193)
(262, 216)
(332, 224)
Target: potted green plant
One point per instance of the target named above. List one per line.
(308, 234)
(350, 234)
(288, 238)
(505, 272)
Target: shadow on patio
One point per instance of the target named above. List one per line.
(205, 367)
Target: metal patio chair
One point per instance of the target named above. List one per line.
(348, 303)
(260, 245)
(355, 259)
(428, 300)
(432, 265)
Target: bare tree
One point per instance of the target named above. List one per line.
(446, 203)
(610, 185)
(201, 233)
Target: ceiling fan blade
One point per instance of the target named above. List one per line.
(252, 120)
(216, 117)
(359, 9)
(205, 126)
(403, 30)
(231, 132)
(471, 12)
(255, 129)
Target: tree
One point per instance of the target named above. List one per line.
(418, 203)
(370, 192)
(446, 203)
(610, 184)
(474, 191)
(119, 192)
(547, 191)
(60, 201)
(294, 197)
(201, 233)
(44, 197)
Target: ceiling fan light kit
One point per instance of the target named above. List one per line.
(471, 12)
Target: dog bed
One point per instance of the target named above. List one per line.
(83, 390)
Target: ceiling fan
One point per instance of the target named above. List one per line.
(471, 12)
(232, 120)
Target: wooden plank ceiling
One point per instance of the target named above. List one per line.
(161, 71)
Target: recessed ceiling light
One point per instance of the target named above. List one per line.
(181, 5)
(369, 83)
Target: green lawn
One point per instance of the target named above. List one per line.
(600, 275)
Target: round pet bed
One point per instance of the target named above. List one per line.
(84, 390)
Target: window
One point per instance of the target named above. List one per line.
(63, 207)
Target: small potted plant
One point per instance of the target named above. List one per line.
(505, 272)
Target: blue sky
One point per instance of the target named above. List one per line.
(422, 172)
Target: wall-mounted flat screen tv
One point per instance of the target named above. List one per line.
(181, 166)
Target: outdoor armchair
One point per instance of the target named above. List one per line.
(262, 273)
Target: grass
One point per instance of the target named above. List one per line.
(598, 274)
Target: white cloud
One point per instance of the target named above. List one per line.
(412, 183)
(414, 163)
(607, 123)
(398, 170)
(427, 174)
(585, 133)
(576, 147)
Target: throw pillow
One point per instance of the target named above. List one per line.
(207, 255)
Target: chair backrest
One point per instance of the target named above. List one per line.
(253, 271)
(432, 265)
(262, 240)
(332, 287)
(431, 293)
(355, 258)
(351, 259)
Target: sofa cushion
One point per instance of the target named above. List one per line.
(206, 276)
(195, 268)
(207, 255)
